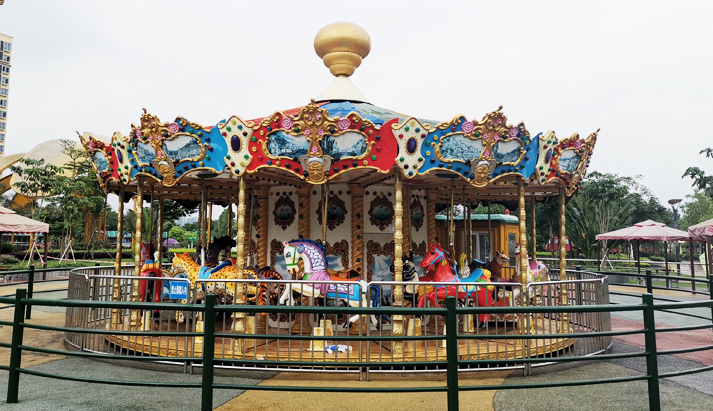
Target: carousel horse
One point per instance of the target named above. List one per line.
(409, 274)
(218, 245)
(445, 272)
(315, 269)
(183, 263)
(149, 288)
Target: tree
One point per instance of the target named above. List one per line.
(701, 181)
(38, 180)
(219, 227)
(698, 207)
(180, 235)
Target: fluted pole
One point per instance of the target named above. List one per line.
(523, 231)
(563, 256)
(431, 218)
(239, 317)
(325, 207)
(303, 227)
(262, 200)
(398, 325)
(139, 206)
(533, 223)
(159, 246)
(357, 228)
(406, 222)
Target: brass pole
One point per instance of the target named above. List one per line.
(523, 230)
(430, 218)
(209, 222)
(204, 198)
(534, 230)
(406, 221)
(466, 216)
(139, 206)
(452, 215)
(228, 251)
(239, 317)
(398, 323)
(117, 265)
(357, 228)
(249, 233)
(106, 198)
(262, 231)
(563, 254)
(151, 216)
(159, 246)
(490, 234)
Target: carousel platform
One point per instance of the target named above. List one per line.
(279, 349)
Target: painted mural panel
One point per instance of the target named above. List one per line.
(281, 144)
(507, 151)
(181, 147)
(569, 160)
(462, 148)
(349, 144)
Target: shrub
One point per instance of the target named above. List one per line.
(8, 259)
(656, 258)
(6, 248)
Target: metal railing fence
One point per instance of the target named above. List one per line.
(211, 310)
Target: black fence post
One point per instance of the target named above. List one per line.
(208, 353)
(652, 365)
(13, 380)
(452, 353)
(30, 290)
(710, 293)
(649, 283)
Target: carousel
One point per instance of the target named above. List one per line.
(336, 204)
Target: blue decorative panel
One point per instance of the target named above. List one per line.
(145, 152)
(181, 148)
(507, 151)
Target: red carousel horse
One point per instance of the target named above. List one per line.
(445, 272)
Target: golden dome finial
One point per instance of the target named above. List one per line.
(342, 46)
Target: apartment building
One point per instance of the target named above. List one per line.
(5, 62)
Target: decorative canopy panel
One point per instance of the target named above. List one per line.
(343, 141)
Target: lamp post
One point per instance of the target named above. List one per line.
(674, 206)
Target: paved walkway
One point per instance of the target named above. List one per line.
(693, 392)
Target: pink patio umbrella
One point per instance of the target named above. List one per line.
(702, 232)
(648, 230)
(11, 222)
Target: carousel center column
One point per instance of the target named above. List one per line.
(357, 228)
(398, 325)
(523, 247)
(263, 194)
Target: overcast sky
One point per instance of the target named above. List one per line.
(639, 70)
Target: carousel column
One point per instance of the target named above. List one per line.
(523, 247)
(398, 325)
(228, 250)
(301, 324)
(139, 207)
(357, 228)
(263, 194)
(241, 324)
(116, 292)
(159, 232)
(534, 232)
(209, 222)
(406, 223)
(431, 218)
(247, 247)
(563, 256)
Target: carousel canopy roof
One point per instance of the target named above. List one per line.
(341, 138)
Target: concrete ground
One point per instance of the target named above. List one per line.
(692, 392)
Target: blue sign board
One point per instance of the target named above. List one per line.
(178, 290)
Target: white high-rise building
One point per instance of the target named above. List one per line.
(5, 53)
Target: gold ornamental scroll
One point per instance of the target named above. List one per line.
(398, 322)
(262, 206)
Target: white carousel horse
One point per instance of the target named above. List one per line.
(315, 269)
